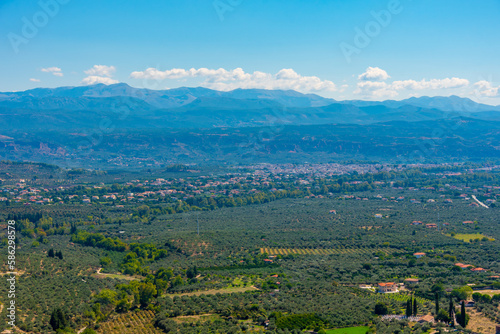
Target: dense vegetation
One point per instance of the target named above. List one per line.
(244, 249)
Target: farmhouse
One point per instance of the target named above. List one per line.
(418, 255)
(431, 225)
(463, 266)
(411, 281)
(378, 215)
(478, 270)
(416, 222)
(468, 222)
(387, 287)
(426, 318)
(468, 303)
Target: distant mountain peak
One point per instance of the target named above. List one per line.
(444, 103)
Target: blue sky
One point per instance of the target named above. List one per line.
(333, 48)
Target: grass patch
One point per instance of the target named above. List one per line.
(469, 237)
(349, 330)
(490, 293)
(196, 318)
(117, 276)
(215, 291)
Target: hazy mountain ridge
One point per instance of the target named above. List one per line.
(455, 139)
(128, 125)
(127, 107)
(172, 98)
(450, 103)
(177, 97)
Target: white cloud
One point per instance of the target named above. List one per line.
(51, 69)
(101, 70)
(430, 84)
(100, 74)
(54, 70)
(94, 79)
(343, 88)
(34, 80)
(222, 79)
(372, 84)
(485, 88)
(375, 89)
(374, 74)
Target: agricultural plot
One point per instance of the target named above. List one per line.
(196, 318)
(324, 251)
(349, 330)
(469, 237)
(130, 323)
(215, 291)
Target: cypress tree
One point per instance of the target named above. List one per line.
(58, 319)
(437, 303)
(50, 253)
(408, 308)
(415, 311)
(463, 316)
(451, 310)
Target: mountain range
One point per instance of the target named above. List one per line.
(118, 125)
(128, 107)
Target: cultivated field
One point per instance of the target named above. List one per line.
(214, 291)
(469, 237)
(130, 323)
(323, 251)
(349, 330)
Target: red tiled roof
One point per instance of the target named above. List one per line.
(428, 318)
(386, 284)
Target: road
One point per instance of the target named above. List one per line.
(480, 203)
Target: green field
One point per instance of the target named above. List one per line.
(349, 330)
(469, 237)
(256, 258)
